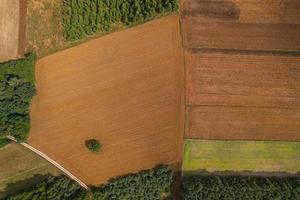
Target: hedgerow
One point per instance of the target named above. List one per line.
(4, 142)
(240, 188)
(146, 185)
(55, 188)
(82, 18)
(16, 91)
(152, 184)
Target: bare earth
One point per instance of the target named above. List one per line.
(9, 29)
(242, 24)
(125, 89)
(242, 69)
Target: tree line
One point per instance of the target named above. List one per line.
(55, 188)
(82, 18)
(16, 91)
(240, 188)
(148, 185)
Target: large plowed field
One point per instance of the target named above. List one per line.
(124, 89)
(242, 69)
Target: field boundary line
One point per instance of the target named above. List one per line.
(41, 154)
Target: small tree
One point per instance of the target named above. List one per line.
(93, 145)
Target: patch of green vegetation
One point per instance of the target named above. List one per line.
(93, 145)
(150, 184)
(16, 91)
(267, 156)
(4, 142)
(20, 168)
(250, 188)
(84, 18)
(55, 188)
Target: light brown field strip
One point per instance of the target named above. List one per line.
(243, 123)
(124, 89)
(243, 80)
(9, 29)
(242, 24)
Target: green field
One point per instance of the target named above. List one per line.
(259, 156)
(20, 168)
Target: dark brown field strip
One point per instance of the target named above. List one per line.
(242, 80)
(251, 25)
(22, 28)
(243, 123)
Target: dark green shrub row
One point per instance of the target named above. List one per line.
(146, 185)
(4, 142)
(240, 188)
(55, 188)
(16, 91)
(82, 18)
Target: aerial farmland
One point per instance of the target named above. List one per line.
(156, 99)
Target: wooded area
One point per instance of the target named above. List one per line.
(82, 18)
(254, 188)
(16, 91)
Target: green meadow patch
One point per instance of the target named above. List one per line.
(256, 156)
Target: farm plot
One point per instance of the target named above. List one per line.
(12, 29)
(241, 156)
(124, 89)
(242, 24)
(242, 69)
(242, 96)
(20, 168)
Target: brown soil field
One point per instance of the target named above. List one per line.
(242, 24)
(9, 29)
(215, 78)
(247, 123)
(124, 89)
(242, 61)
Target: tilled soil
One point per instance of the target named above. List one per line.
(124, 89)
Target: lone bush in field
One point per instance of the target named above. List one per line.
(93, 145)
(83, 18)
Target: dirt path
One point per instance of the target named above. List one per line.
(52, 162)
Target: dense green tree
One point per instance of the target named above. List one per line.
(146, 185)
(240, 188)
(93, 145)
(16, 91)
(55, 188)
(83, 18)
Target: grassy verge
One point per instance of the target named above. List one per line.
(20, 168)
(256, 156)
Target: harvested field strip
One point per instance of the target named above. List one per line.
(243, 80)
(21, 165)
(243, 123)
(9, 29)
(125, 90)
(241, 156)
(240, 24)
